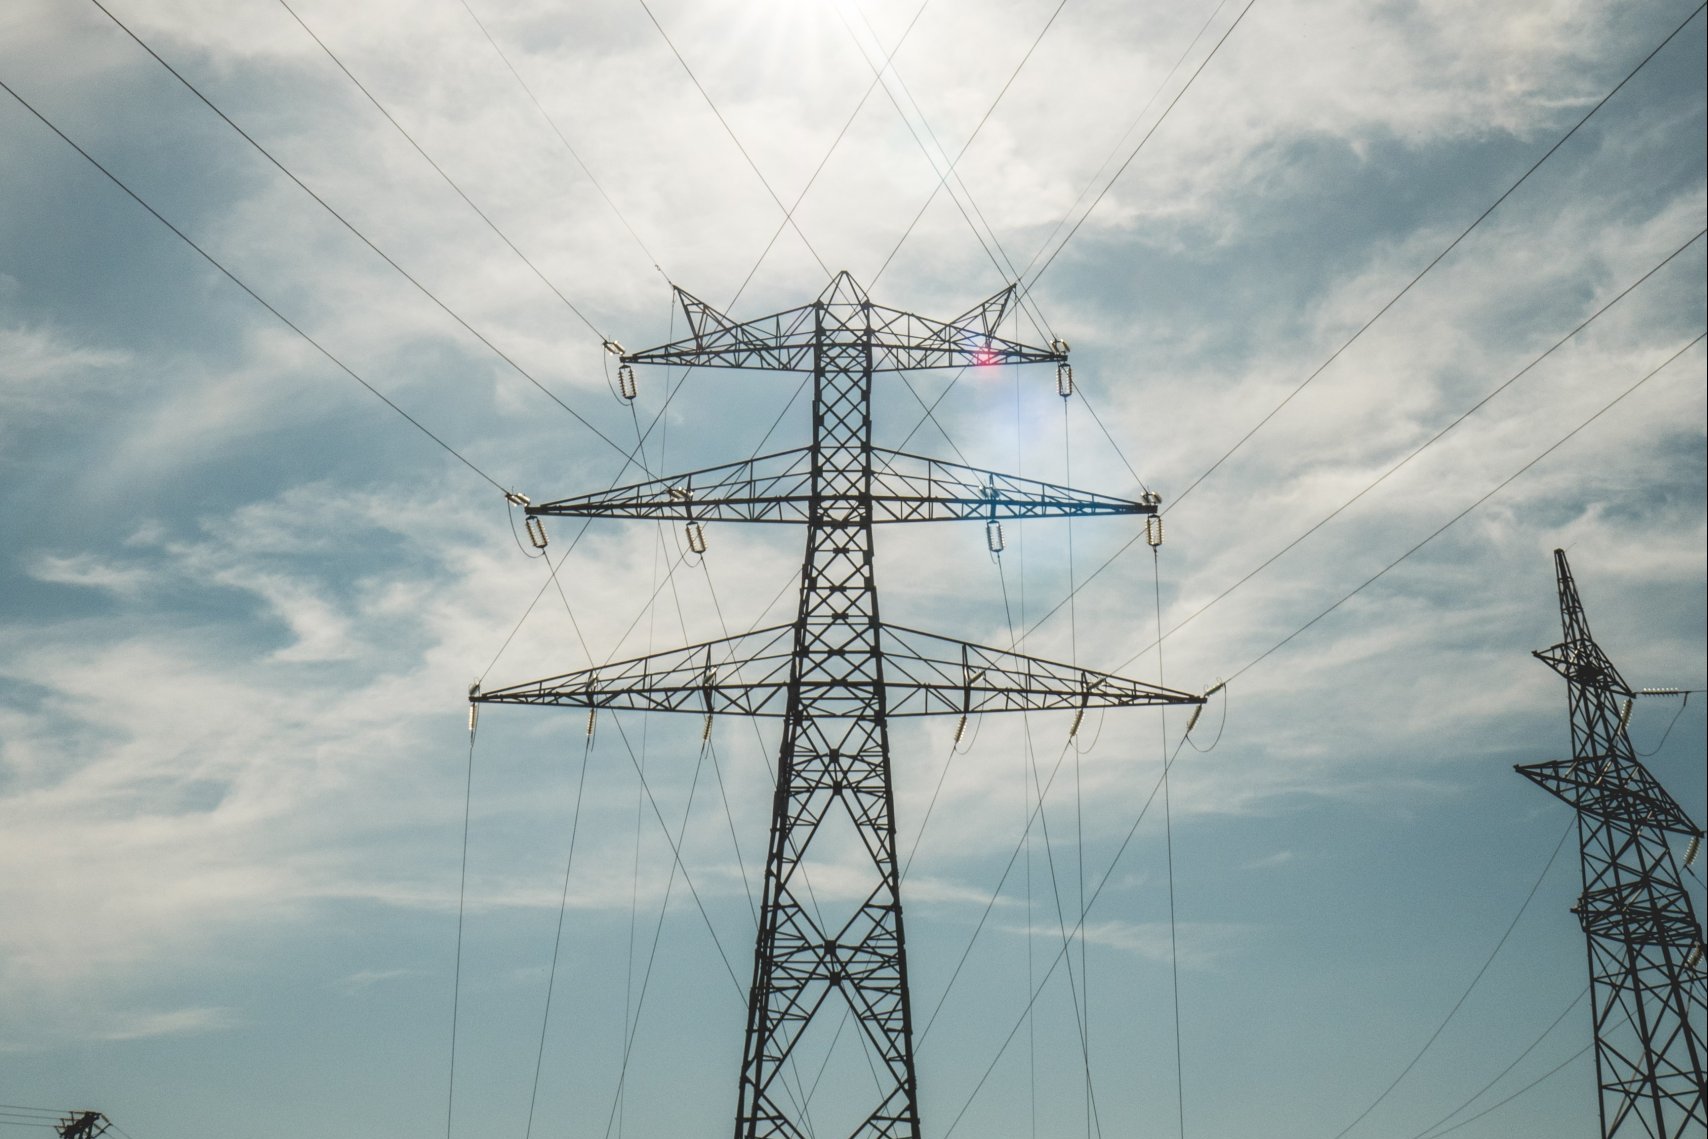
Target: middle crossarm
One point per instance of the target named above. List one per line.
(924, 675)
(778, 488)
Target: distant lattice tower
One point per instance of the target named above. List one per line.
(837, 673)
(1649, 994)
(82, 1125)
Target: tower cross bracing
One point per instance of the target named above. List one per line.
(838, 672)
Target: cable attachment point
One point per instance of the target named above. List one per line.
(626, 385)
(517, 498)
(993, 536)
(1064, 380)
(1153, 529)
(536, 532)
(613, 348)
(696, 537)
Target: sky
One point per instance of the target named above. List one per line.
(243, 598)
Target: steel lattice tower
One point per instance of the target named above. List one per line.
(1646, 972)
(837, 672)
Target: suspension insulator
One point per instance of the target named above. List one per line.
(1064, 380)
(961, 730)
(993, 536)
(1193, 722)
(696, 537)
(1695, 956)
(592, 720)
(1153, 529)
(1078, 719)
(626, 385)
(474, 716)
(1691, 851)
(1625, 713)
(536, 532)
(706, 730)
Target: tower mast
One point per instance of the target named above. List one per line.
(1648, 990)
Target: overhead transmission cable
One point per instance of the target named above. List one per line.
(1437, 259)
(1466, 995)
(1187, 86)
(1501, 1075)
(257, 297)
(942, 181)
(440, 170)
(1425, 445)
(788, 216)
(1502, 485)
(363, 238)
(1602, 309)
(704, 94)
(563, 138)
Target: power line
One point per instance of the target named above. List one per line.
(1464, 996)
(404, 273)
(1147, 135)
(1426, 444)
(1438, 531)
(787, 213)
(1374, 482)
(1436, 260)
(1501, 1075)
(440, 170)
(262, 301)
(557, 130)
(942, 181)
(788, 216)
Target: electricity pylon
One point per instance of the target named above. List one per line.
(1649, 995)
(837, 673)
(82, 1125)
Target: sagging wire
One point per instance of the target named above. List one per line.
(462, 896)
(1220, 727)
(1670, 723)
(1168, 835)
(557, 942)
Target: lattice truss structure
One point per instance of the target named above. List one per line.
(1648, 988)
(837, 673)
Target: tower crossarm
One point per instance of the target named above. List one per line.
(923, 675)
(1611, 787)
(927, 674)
(900, 341)
(778, 488)
(747, 674)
